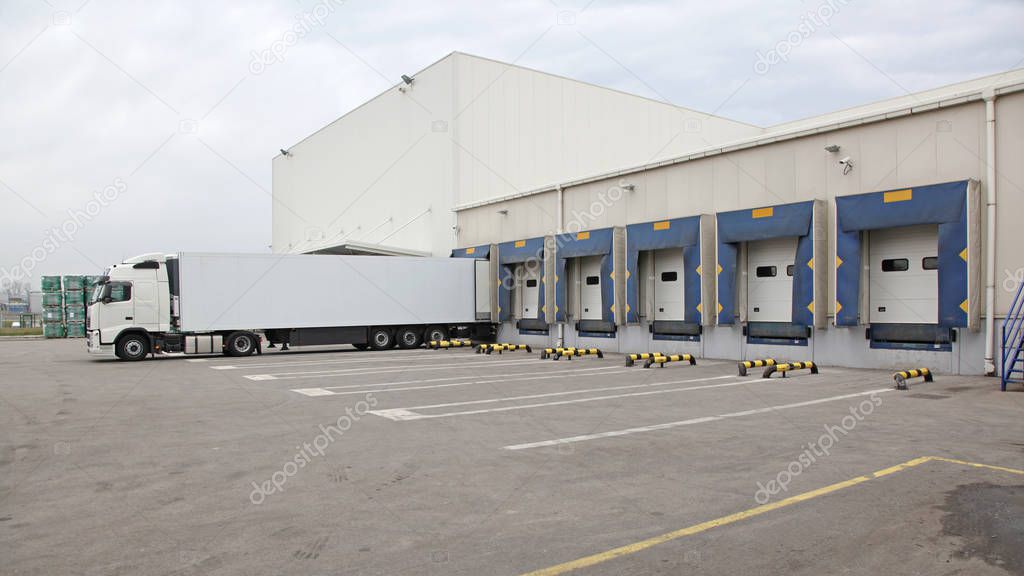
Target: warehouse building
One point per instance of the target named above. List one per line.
(866, 237)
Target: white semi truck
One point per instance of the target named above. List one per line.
(204, 303)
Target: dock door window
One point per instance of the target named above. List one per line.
(895, 265)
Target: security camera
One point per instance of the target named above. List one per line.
(847, 164)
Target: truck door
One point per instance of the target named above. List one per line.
(590, 288)
(668, 284)
(146, 304)
(770, 279)
(116, 311)
(904, 275)
(531, 290)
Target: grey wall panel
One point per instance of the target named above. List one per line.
(821, 259)
(708, 270)
(975, 288)
(550, 255)
(619, 273)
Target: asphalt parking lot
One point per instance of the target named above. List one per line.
(450, 462)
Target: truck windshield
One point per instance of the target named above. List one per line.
(97, 293)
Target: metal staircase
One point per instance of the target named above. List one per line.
(1013, 341)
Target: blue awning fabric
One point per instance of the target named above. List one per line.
(943, 204)
(483, 251)
(676, 233)
(527, 252)
(762, 224)
(579, 244)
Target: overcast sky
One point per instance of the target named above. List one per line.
(149, 126)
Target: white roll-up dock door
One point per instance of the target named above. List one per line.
(590, 287)
(668, 285)
(770, 279)
(904, 275)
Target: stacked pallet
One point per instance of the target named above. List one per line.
(74, 306)
(53, 307)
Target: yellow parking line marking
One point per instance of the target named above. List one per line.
(749, 513)
(977, 465)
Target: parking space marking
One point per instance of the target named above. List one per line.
(369, 371)
(678, 423)
(642, 545)
(548, 373)
(409, 414)
(364, 360)
(610, 369)
(313, 391)
(979, 465)
(388, 386)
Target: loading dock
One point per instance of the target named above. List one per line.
(486, 270)
(924, 273)
(522, 277)
(586, 289)
(766, 272)
(665, 288)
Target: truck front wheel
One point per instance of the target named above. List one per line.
(132, 347)
(240, 344)
(381, 339)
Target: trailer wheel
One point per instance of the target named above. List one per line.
(409, 338)
(132, 347)
(381, 339)
(437, 333)
(240, 344)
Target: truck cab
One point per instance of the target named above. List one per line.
(132, 299)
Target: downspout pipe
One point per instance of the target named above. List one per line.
(990, 247)
(561, 217)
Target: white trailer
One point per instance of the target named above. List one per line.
(208, 303)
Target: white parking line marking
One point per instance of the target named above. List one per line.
(700, 420)
(467, 376)
(364, 360)
(476, 382)
(566, 392)
(195, 360)
(313, 391)
(367, 371)
(408, 414)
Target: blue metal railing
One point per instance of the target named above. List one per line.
(1013, 338)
